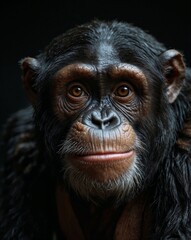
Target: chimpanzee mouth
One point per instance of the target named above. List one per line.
(102, 157)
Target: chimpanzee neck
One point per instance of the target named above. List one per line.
(86, 221)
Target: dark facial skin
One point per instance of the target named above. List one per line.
(105, 142)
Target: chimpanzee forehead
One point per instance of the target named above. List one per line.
(104, 34)
(100, 54)
(106, 54)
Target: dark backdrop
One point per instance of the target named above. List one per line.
(27, 26)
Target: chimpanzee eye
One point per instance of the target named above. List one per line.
(76, 91)
(122, 91)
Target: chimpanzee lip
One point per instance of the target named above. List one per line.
(102, 157)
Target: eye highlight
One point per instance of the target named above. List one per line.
(76, 91)
(122, 91)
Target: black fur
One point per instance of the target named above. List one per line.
(27, 208)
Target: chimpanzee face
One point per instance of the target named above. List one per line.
(100, 98)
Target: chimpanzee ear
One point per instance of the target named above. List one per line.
(174, 68)
(29, 68)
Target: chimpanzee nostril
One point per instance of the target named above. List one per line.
(102, 120)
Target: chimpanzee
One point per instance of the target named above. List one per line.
(103, 150)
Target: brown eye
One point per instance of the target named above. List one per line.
(122, 91)
(76, 91)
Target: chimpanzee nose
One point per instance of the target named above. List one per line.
(104, 120)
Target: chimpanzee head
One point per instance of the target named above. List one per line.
(103, 96)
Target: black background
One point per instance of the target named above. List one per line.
(27, 26)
